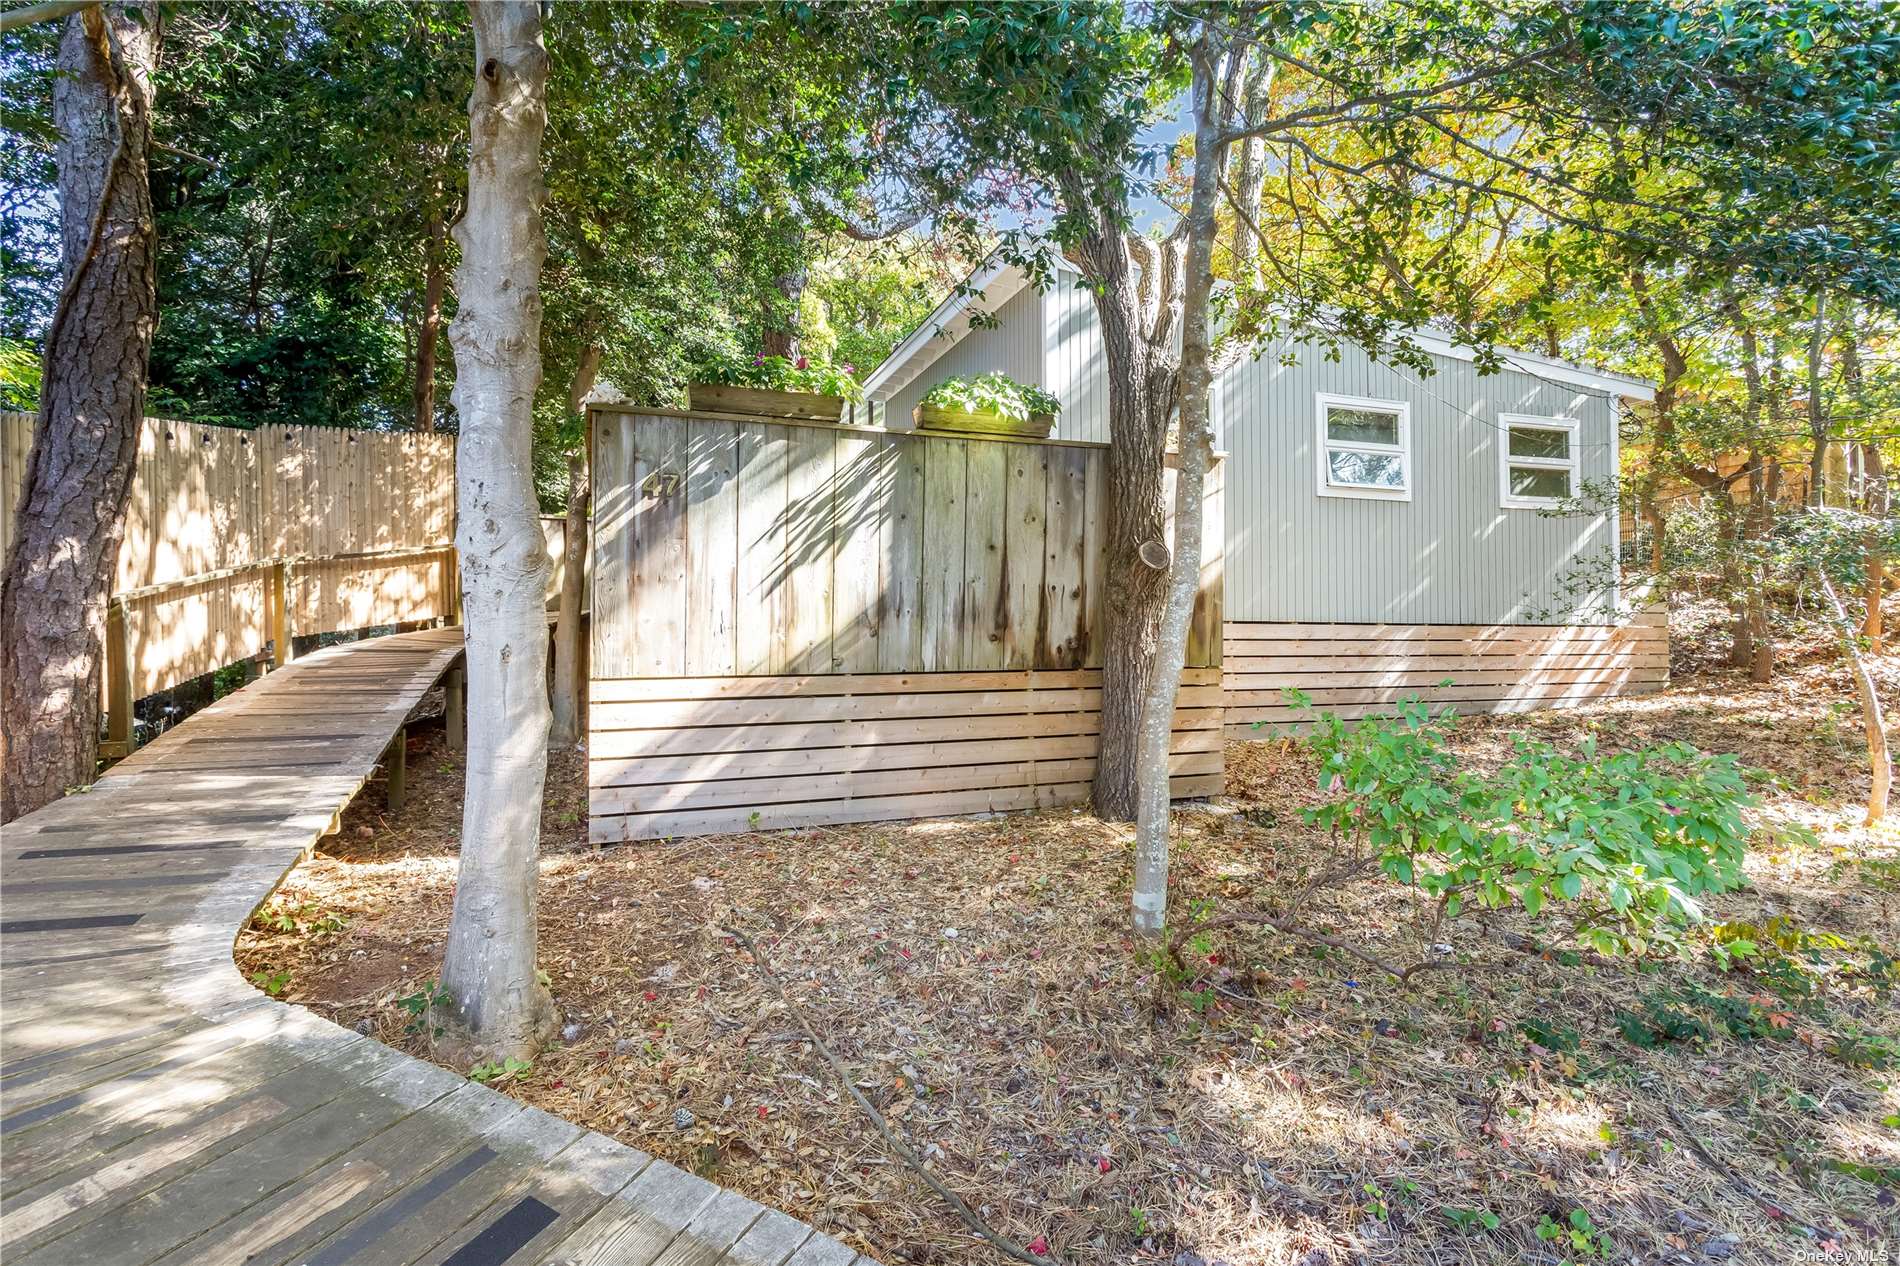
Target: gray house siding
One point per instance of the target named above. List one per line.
(1075, 364)
(1450, 555)
(1012, 346)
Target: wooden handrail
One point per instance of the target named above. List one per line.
(120, 740)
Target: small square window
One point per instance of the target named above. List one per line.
(1365, 448)
(1537, 461)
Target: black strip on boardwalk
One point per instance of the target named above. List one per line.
(505, 1236)
(112, 885)
(355, 1243)
(53, 959)
(119, 850)
(77, 923)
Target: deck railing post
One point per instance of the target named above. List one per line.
(119, 730)
(451, 587)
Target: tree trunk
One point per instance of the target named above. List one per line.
(1134, 556)
(488, 967)
(1818, 427)
(1879, 763)
(434, 279)
(1876, 502)
(570, 646)
(1150, 896)
(71, 513)
(570, 641)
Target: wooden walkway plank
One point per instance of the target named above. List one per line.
(156, 1109)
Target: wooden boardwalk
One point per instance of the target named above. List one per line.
(156, 1108)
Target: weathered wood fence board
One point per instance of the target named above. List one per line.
(362, 524)
(1357, 670)
(770, 548)
(800, 623)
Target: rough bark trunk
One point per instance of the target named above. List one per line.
(570, 646)
(1134, 559)
(429, 332)
(1196, 448)
(70, 517)
(488, 966)
(1880, 764)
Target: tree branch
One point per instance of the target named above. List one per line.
(45, 11)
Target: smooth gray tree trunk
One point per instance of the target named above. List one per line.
(1196, 450)
(488, 967)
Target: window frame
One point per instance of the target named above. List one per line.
(1571, 428)
(1324, 403)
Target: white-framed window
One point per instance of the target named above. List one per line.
(1365, 448)
(1537, 461)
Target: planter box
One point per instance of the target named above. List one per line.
(930, 417)
(706, 397)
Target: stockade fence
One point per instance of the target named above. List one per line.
(797, 623)
(241, 540)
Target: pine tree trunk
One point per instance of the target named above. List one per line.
(1150, 896)
(488, 967)
(70, 518)
(434, 281)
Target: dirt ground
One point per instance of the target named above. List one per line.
(1283, 1105)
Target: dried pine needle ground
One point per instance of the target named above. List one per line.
(1282, 1107)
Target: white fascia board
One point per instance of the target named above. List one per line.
(994, 284)
(1545, 367)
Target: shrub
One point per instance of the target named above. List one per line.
(997, 394)
(1626, 844)
(777, 373)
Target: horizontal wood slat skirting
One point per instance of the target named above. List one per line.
(1359, 670)
(701, 755)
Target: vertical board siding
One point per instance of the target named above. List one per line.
(1358, 670)
(1012, 345)
(798, 623)
(210, 507)
(1450, 554)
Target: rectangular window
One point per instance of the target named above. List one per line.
(1365, 448)
(1537, 461)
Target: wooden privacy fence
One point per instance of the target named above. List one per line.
(797, 623)
(238, 539)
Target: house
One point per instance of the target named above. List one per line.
(1385, 531)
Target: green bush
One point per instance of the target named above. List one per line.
(997, 394)
(777, 373)
(1626, 843)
